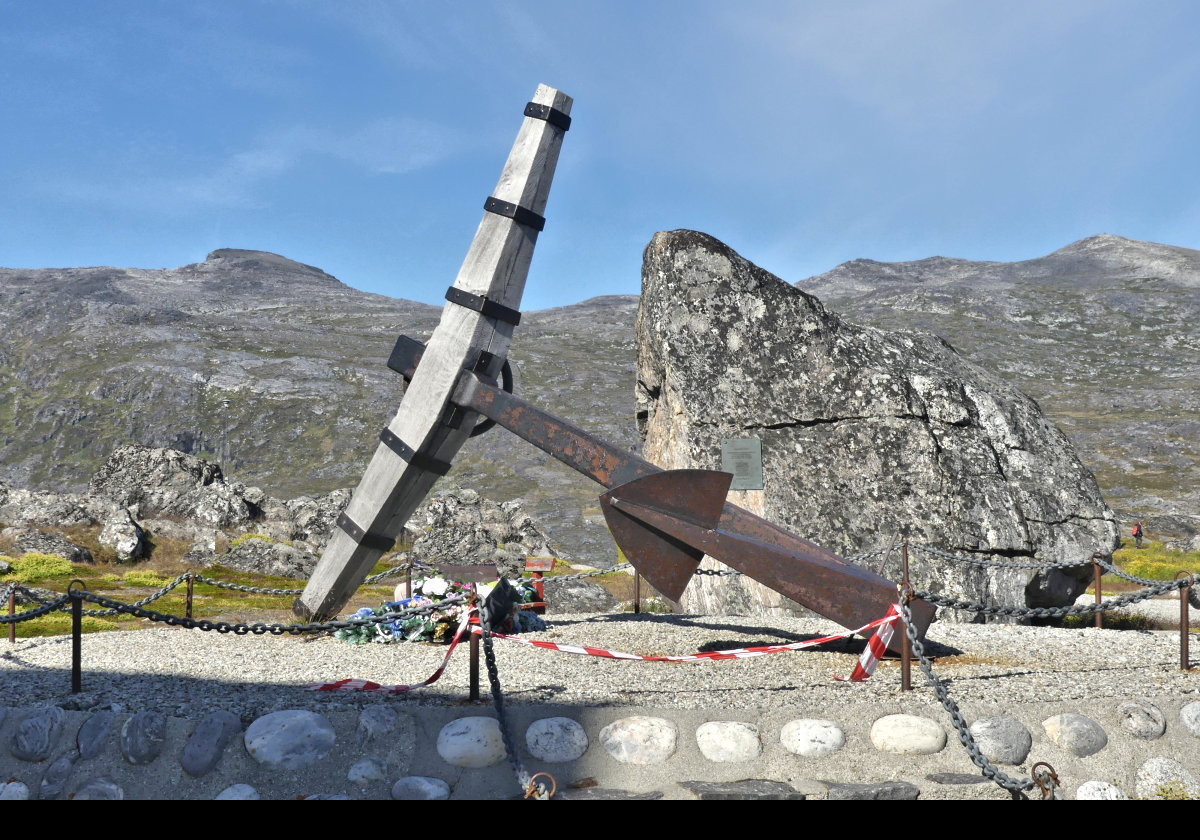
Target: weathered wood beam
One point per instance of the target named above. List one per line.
(426, 433)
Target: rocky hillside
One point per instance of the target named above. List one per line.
(279, 370)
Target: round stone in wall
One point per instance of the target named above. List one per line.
(208, 742)
(1003, 739)
(1081, 736)
(143, 736)
(1096, 791)
(812, 737)
(556, 739)
(238, 791)
(1166, 778)
(13, 791)
(1143, 719)
(1189, 716)
(908, 735)
(367, 770)
(640, 739)
(55, 778)
(93, 735)
(37, 734)
(100, 789)
(290, 739)
(728, 741)
(471, 742)
(420, 787)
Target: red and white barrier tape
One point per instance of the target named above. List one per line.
(876, 647)
(865, 667)
(367, 685)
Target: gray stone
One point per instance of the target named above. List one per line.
(143, 737)
(1143, 719)
(764, 789)
(375, 725)
(290, 739)
(124, 536)
(598, 794)
(812, 738)
(13, 791)
(1094, 790)
(462, 524)
(238, 791)
(875, 792)
(471, 742)
(37, 735)
(1166, 778)
(556, 739)
(367, 770)
(207, 743)
(333, 797)
(640, 739)
(908, 735)
(1189, 716)
(93, 735)
(420, 787)
(36, 543)
(1003, 739)
(863, 432)
(100, 789)
(55, 778)
(958, 779)
(579, 596)
(1081, 736)
(265, 557)
(166, 482)
(728, 741)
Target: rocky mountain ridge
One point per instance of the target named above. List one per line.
(278, 371)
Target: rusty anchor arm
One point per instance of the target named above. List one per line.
(800, 570)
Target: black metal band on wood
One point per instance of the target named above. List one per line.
(483, 305)
(520, 215)
(553, 116)
(433, 465)
(364, 538)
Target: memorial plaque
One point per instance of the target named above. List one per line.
(743, 458)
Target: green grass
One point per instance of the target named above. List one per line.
(39, 568)
(1155, 562)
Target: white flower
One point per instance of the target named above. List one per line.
(435, 586)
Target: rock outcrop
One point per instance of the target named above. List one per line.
(865, 434)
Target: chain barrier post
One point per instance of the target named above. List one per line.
(408, 581)
(188, 613)
(1185, 663)
(76, 635)
(637, 592)
(905, 649)
(1097, 571)
(473, 696)
(12, 609)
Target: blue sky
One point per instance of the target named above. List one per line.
(363, 136)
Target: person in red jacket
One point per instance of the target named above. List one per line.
(1137, 535)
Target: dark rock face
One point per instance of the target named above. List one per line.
(865, 433)
(269, 558)
(35, 543)
(461, 527)
(166, 482)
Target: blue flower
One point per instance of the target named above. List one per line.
(365, 612)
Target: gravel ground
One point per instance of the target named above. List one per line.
(188, 673)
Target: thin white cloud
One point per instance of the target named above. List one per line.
(387, 146)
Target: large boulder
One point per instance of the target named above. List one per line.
(461, 527)
(166, 482)
(865, 434)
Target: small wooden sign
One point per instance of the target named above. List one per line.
(485, 573)
(539, 564)
(743, 458)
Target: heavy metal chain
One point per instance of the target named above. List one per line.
(1193, 592)
(147, 600)
(1160, 588)
(1003, 563)
(489, 655)
(46, 608)
(258, 629)
(964, 733)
